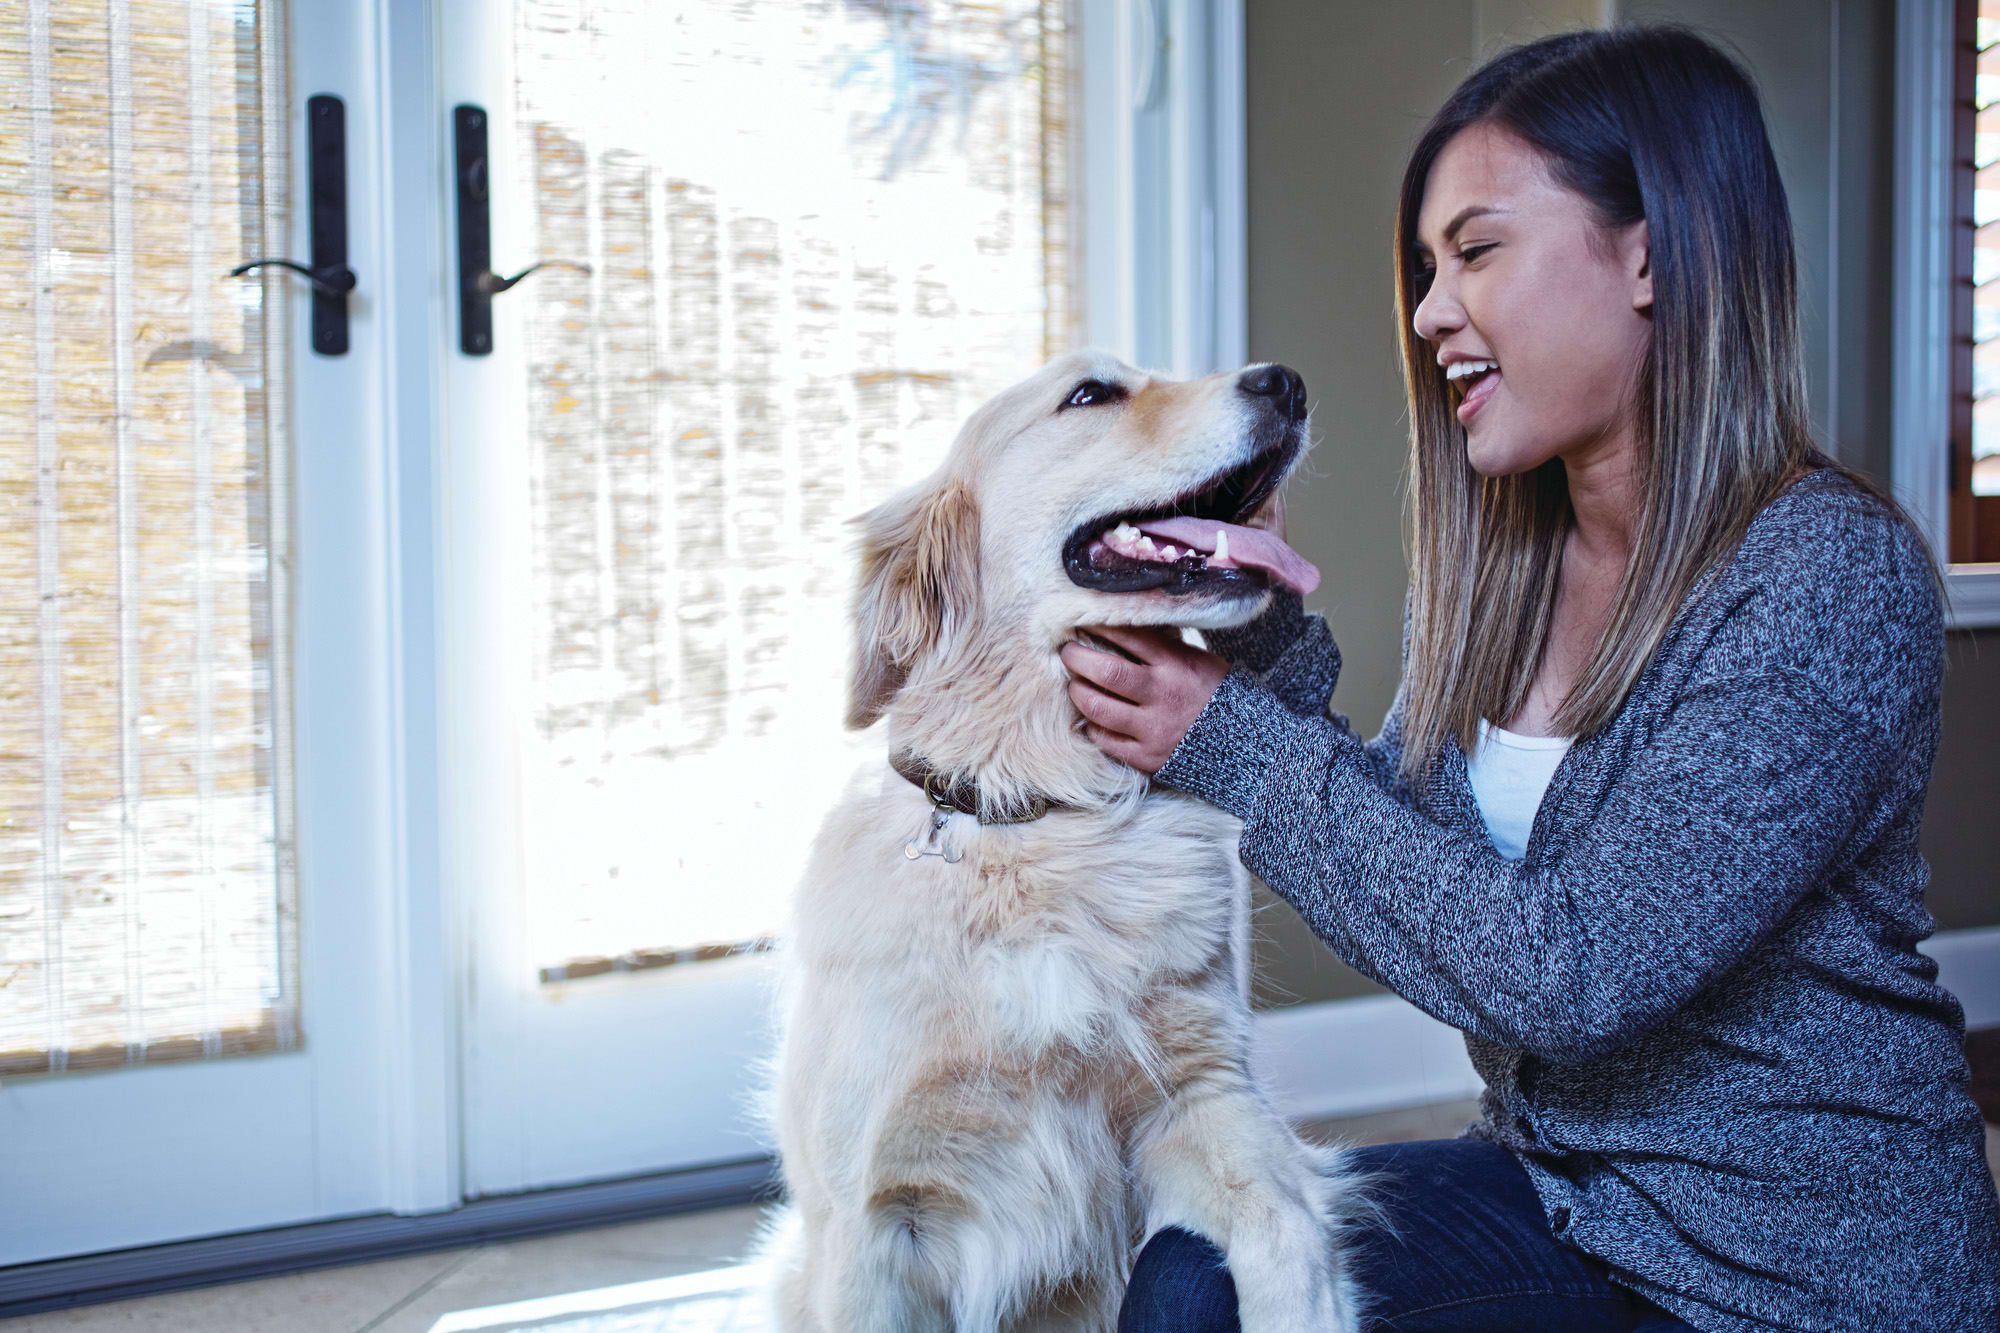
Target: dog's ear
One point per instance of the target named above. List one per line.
(919, 584)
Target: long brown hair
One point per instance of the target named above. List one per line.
(1644, 122)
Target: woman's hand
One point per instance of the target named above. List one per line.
(1137, 712)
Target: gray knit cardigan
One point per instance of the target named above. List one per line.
(1696, 1002)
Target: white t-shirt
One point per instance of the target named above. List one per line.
(1509, 773)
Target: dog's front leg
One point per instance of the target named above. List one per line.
(1215, 1158)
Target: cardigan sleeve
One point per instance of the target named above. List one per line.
(1287, 650)
(1292, 654)
(1736, 807)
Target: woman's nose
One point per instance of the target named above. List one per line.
(1437, 314)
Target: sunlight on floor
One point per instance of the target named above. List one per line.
(724, 1300)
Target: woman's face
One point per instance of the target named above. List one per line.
(1517, 281)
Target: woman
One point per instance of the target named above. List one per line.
(1723, 1090)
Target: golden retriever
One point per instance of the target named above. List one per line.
(1011, 1051)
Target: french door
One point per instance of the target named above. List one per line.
(498, 737)
(786, 249)
(207, 954)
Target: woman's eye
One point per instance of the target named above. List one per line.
(1089, 393)
(1473, 253)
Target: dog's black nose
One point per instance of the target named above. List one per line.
(1281, 384)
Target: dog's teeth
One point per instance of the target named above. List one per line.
(1146, 545)
(1221, 545)
(1169, 552)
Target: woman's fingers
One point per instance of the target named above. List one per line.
(1120, 747)
(1138, 711)
(1148, 643)
(1107, 710)
(1108, 671)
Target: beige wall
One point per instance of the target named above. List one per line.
(1337, 95)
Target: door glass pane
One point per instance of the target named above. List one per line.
(146, 890)
(817, 236)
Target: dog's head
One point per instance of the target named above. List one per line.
(1035, 522)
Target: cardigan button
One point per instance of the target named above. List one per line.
(1561, 1219)
(1525, 1126)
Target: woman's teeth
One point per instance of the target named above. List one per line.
(1458, 370)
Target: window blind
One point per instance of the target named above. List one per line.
(146, 883)
(1985, 479)
(818, 235)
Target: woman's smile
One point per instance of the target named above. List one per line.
(1476, 396)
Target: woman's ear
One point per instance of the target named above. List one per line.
(918, 585)
(1639, 261)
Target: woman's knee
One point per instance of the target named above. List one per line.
(1179, 1282)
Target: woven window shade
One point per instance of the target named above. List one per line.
(146, 886)
(1985, 480)
(819, 235)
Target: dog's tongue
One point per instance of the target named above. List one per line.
(1251, 548)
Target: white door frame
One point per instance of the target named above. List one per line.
(420, 924)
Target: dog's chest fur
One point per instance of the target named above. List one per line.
(1046, 957)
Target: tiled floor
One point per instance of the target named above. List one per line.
(670, 1275)
(445, 1291)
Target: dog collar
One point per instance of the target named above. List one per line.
(963, 796)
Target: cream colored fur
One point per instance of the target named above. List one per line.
(998, 1077)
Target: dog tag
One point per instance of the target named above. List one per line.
(933, 841)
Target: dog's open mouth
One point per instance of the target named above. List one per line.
(1194, 542)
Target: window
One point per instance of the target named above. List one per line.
(1975, 394)
(146, 893)
(1946, 370)
(772, 300)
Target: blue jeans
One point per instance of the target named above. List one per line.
(1472, 1251)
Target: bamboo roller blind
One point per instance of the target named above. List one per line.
(819, 235)
(1986, 254)
(146, 887)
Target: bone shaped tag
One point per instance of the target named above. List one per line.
(933, 843)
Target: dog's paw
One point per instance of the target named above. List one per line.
(1318, 1305)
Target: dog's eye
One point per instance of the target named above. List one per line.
(1092, 392)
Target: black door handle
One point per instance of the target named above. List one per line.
(331, 278)
(337, 281)
(478, 284)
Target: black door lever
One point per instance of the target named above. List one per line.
(478, 284)
(331, 278)
(333, 281)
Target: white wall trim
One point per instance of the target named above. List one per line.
(1380, 1052)
(421, 1043)
(1920, 371)
(1969, 967)
(1164, 231)
(1230, 234)
(1350, 1057)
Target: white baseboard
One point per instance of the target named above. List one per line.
(1380, 1052)
(1969, 967)
(1349, 1057)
